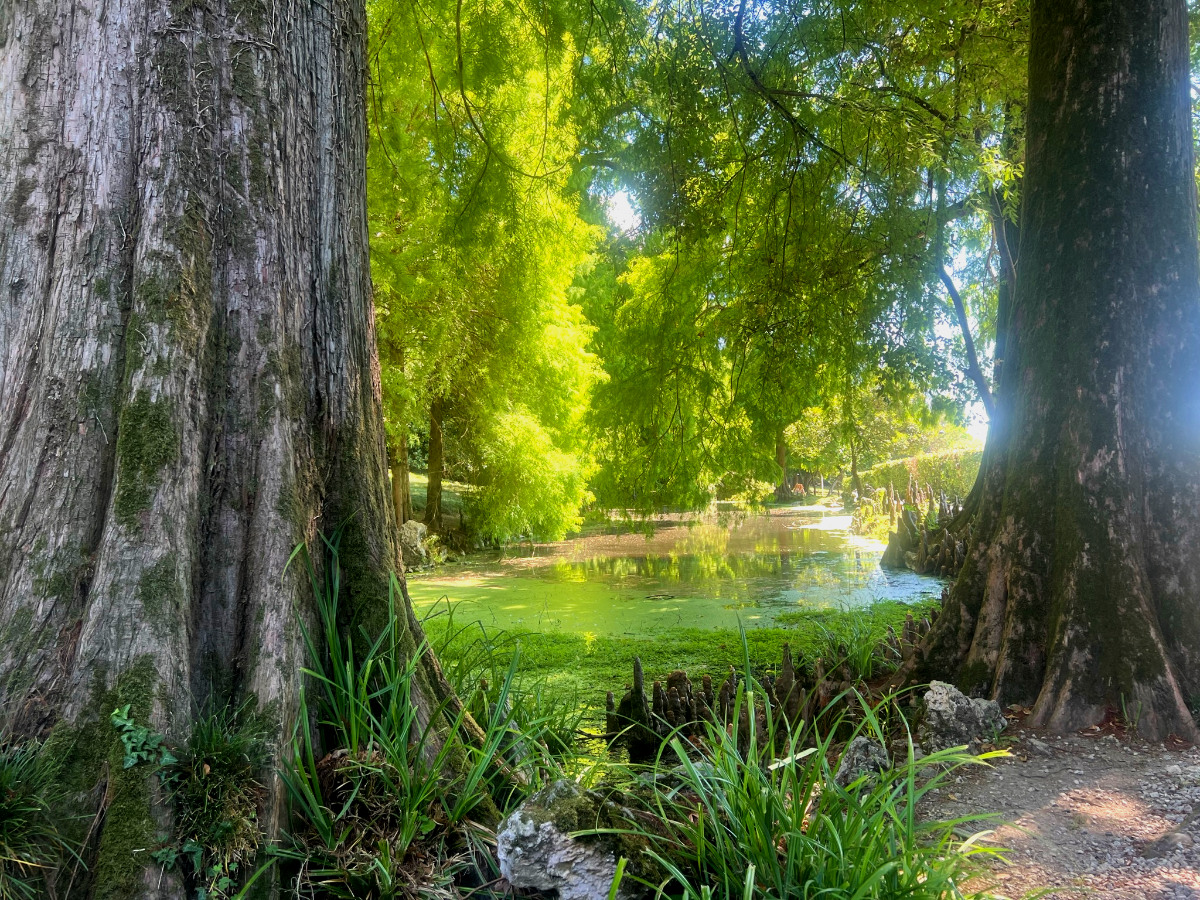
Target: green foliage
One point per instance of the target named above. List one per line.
(761, 816)
(951, 471)
(383, 813)
(141, 743)
(527, 487)
(32, 836)
(214, 793)
(800, 175)
(797, 171)
(476, 242)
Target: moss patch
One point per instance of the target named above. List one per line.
(83, 754)
(162, 298)
(146, 442)
(159, 590)
(245, 79)
(17, 629)
(282, 369)
(20, 199)
(91, 394)
(289, 508)
(55, 574)
(252, 15)
(577, 669)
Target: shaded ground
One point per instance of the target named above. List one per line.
(1089, 815)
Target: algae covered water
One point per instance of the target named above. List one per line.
(709, 573)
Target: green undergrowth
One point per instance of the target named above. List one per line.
(33, 836)
(403, 801)
(213, 785)
(394, 794)
(759, 813)
(400, 804)
(572, 671)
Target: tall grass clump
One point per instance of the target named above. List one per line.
(477, 661)
(403, 803)
(215, 789)
(759, 815)
(856, 642)
(32, 846)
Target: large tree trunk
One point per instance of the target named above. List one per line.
(433, 490)
(1081, 590)
(188, 382)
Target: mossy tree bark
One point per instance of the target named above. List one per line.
(1081, 590)
(188, 379)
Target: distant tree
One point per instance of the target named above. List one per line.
(476, 240)
(797, 173)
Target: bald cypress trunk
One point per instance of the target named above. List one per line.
(188, 380)
(1081, 590)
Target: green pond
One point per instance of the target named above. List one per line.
(710, 573)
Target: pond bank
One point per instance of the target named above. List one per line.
(718, 571)
(577, 612)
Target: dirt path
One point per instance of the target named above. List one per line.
(1089, 815)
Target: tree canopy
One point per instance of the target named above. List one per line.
(803, 175)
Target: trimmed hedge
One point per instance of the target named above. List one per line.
(952, 471)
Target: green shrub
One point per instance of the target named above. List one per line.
(760, 816)
(395, 808)
(856, 641)
(476, 662)
(527, 487)
(215, 791)
(952, 471)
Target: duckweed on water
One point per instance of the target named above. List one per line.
(578, 669)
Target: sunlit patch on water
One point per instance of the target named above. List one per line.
(707, 574)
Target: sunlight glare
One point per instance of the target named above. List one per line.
(622, 214)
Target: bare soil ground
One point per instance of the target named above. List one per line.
(1094, 814)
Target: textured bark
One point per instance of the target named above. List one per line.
(1081, 592)
(188, 381)
(433, 490)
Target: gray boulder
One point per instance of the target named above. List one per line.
(862, 756)
(412, 543)
(951, 719)
(536, 848)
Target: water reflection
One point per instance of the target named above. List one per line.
(707, 574)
